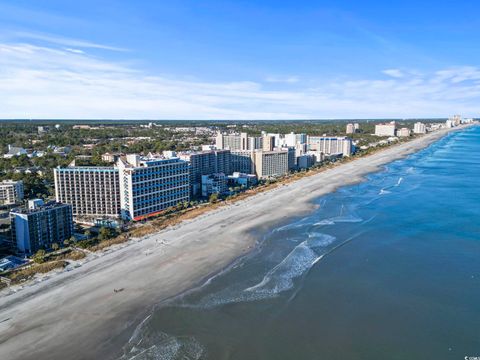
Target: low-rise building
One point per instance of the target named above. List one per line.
(61, 150)
(41, 225)
(42, 130)
(214, 184)
(11, 192)
(317, 155)
(111, 158)
(14, 151)
(241, 179)
(305, 161)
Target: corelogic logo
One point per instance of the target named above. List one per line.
(472, 357)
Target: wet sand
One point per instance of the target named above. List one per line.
(77, 314)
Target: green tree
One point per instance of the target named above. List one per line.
(39, 256)
(104, 233)
(55, 246)
(213, 198)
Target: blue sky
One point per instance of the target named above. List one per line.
(238, 59)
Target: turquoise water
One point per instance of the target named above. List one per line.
(386, 269)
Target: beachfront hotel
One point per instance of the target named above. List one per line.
(272, 163)
(134, 188)
(243, 161)
(93, 191)
(11, 192)
(330, 145)
(387, 129)
(238, 142)
(40, 225)
(419, 128)
(151, 185)
(206, 163)
(403, 132)
(293, 140)
(264, 155)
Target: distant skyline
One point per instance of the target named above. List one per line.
(238, 59)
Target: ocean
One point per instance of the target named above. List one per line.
(385, 269)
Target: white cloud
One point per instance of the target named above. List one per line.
(395, 73)
(75, 51)
(70, 43)
(42, 82)
(282, 79)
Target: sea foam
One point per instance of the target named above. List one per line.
(278, 279)
(162, 346)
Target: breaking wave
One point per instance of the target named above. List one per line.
(146, 345)
(278, 279)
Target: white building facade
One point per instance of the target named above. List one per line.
(403, 132)
(419, 128)
(330, 145)
(93, 191)
(11, 192)
(272, 163)
(387, 129)
(149, 186)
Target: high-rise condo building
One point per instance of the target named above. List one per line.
(330, 145)
(93, 191)
(268, 142)
(350, 129)
(243, 162)
(293, 139)
(11, 192)
(456, 119)
(272, 163)
(419, 128)
(151, 185)
(206, 163)
(41, 225)
(231, 141)
(387, 129)
(403, 132)
(238, 142)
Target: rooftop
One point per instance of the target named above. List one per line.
(48, 206)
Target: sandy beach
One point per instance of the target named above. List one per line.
(77, 315)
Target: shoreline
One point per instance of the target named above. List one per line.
(77, 315)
